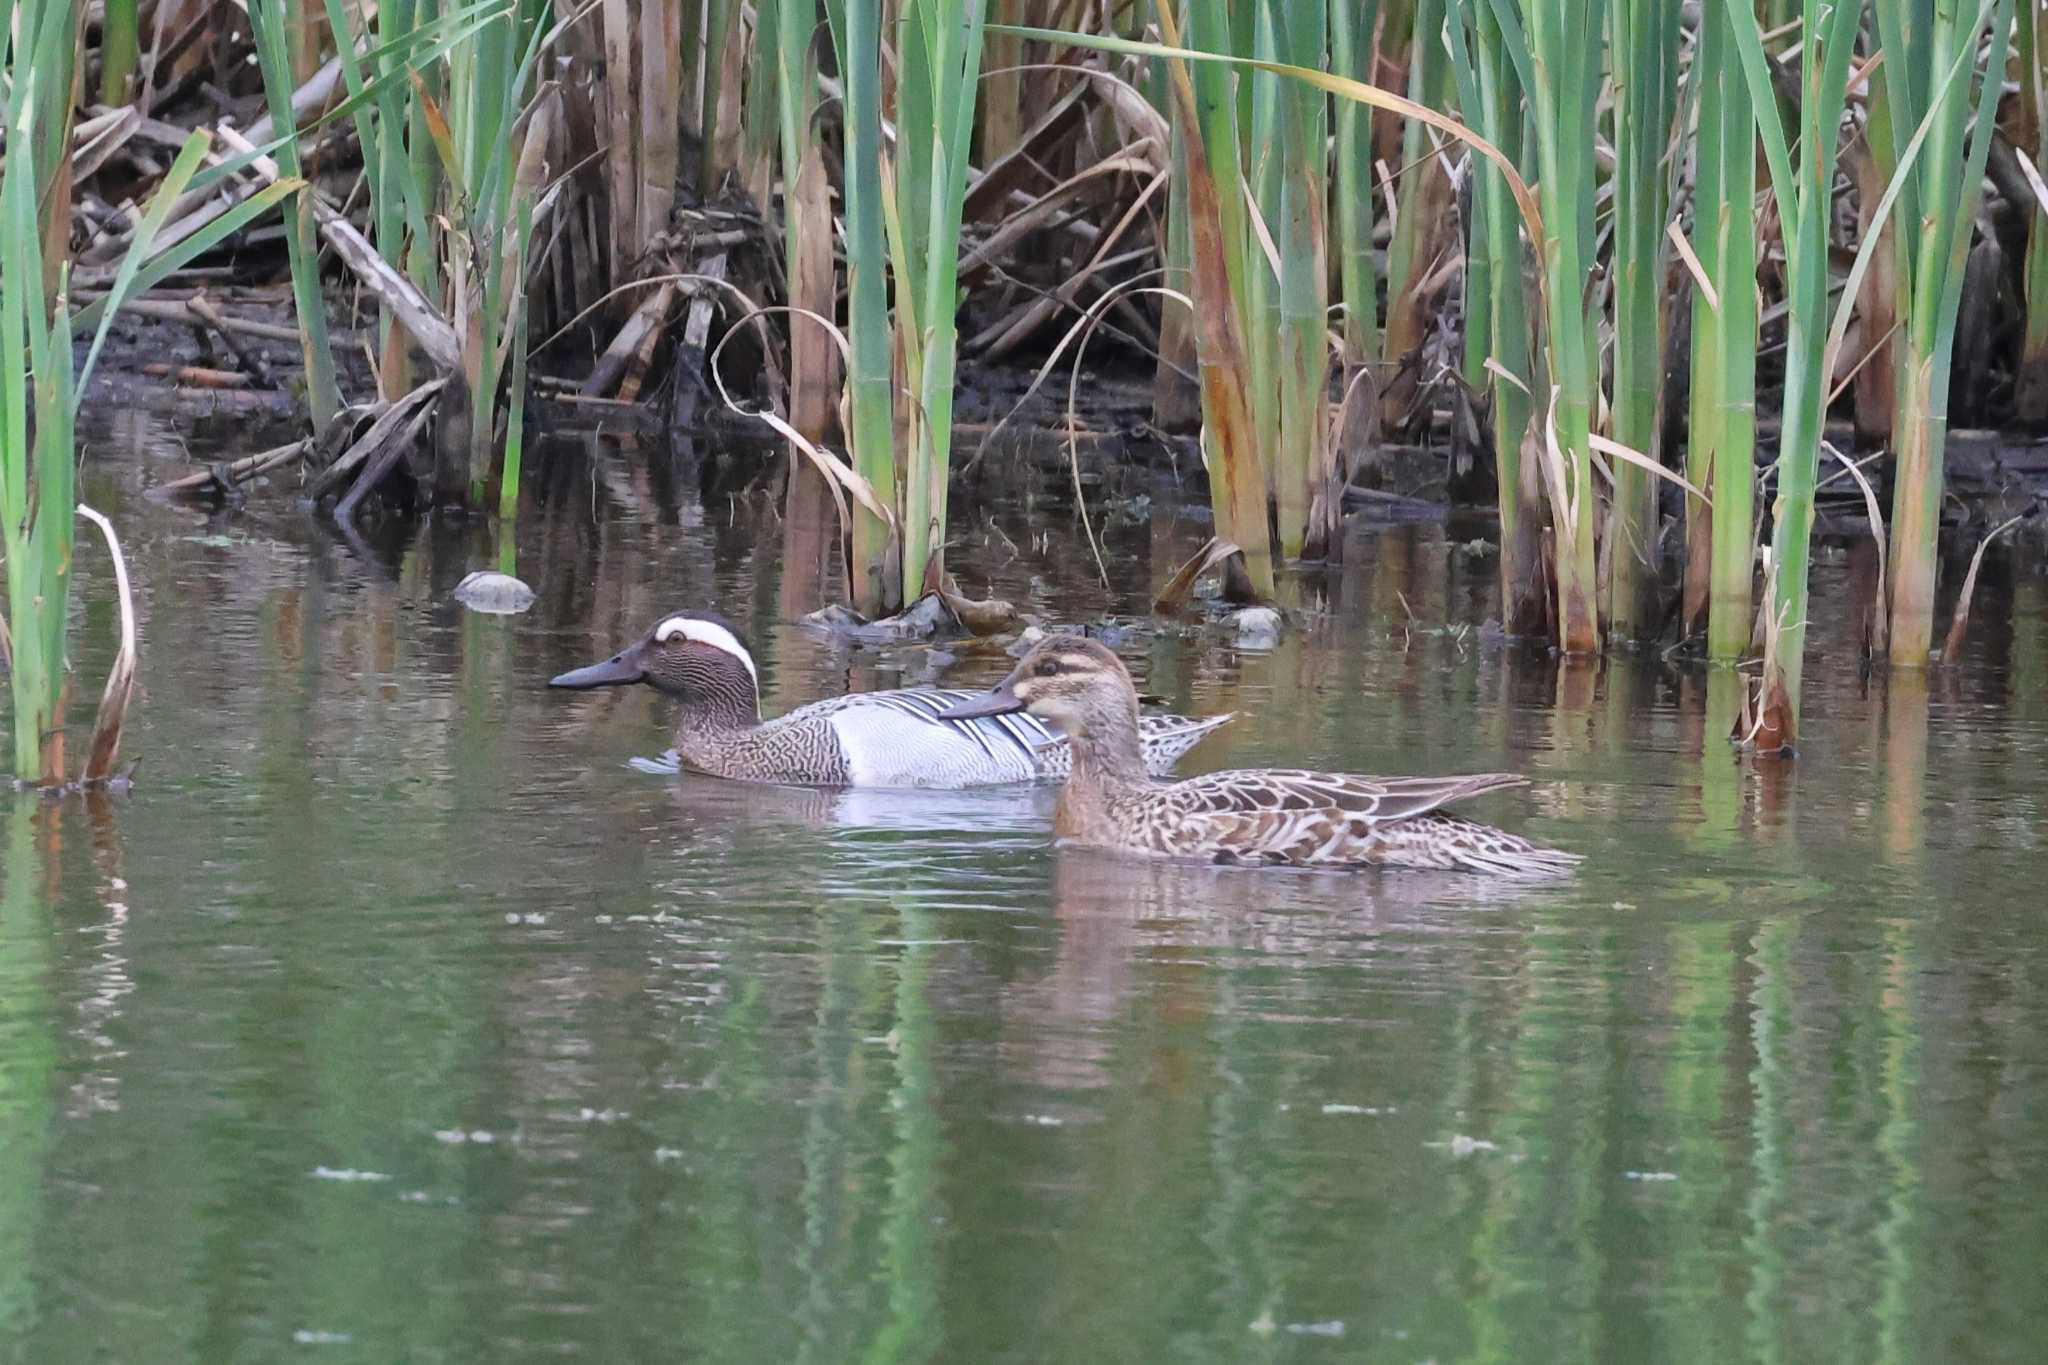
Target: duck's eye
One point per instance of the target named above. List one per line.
(1048, 667)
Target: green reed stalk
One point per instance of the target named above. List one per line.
(1206, 96)
(479, 93)
(2030, 399)
(271, 23)
(1490, 94)
(1724, 351)
(1938, 192)
(120, 50)
(1476, 305)
(939, 56)
(515, 396)
(796, 86)
(1422, 203)
(1302, 465)
(1176, 397)
(490, 169)
(1804, 192)
(1711, 77)
(398, 202)
(412, 112)
(36, 459)
(718, 24)
(877, 583)
(38, 391)
(1351, 44)
(1643, 54)
(1564, 46)
(1263, 157)
(760, 134)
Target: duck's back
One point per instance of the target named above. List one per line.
(895, 739)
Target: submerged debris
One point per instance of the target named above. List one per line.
(939, 615)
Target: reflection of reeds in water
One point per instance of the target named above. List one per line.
(27, 1056)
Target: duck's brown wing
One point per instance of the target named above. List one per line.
(1302, 817)
(1246, 791)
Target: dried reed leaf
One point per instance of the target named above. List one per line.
(1693, 266)
(838, 474)
(1880, 619)
(1180, 589)
(1959, 626)
(120, 688)
(1609, 446)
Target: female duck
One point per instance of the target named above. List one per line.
(1252, 815)
(869, 739)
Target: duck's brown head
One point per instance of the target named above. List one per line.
(696, 657)
(1076, 684)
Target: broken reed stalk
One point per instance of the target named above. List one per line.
(235, 472)
(105, 750)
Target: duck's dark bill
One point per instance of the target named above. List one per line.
(620, 670)
(999, 702)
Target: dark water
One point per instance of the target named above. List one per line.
(396, 1018)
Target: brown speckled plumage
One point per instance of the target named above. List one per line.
(1271, 816)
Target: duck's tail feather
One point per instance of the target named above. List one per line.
(1166, 738)
(1448, 842)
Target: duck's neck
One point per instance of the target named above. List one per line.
(711, 720)
(1108, 752)
(1108, 762)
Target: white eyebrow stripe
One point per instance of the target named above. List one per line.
(707, 633)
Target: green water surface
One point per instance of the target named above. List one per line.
(396, 1018)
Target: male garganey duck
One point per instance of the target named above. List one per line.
(868, 739)
(1246, 816)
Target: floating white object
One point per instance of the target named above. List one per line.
(1257, 627)
(500, 594)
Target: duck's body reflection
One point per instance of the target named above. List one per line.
(1142, 936)
(1015, 809)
